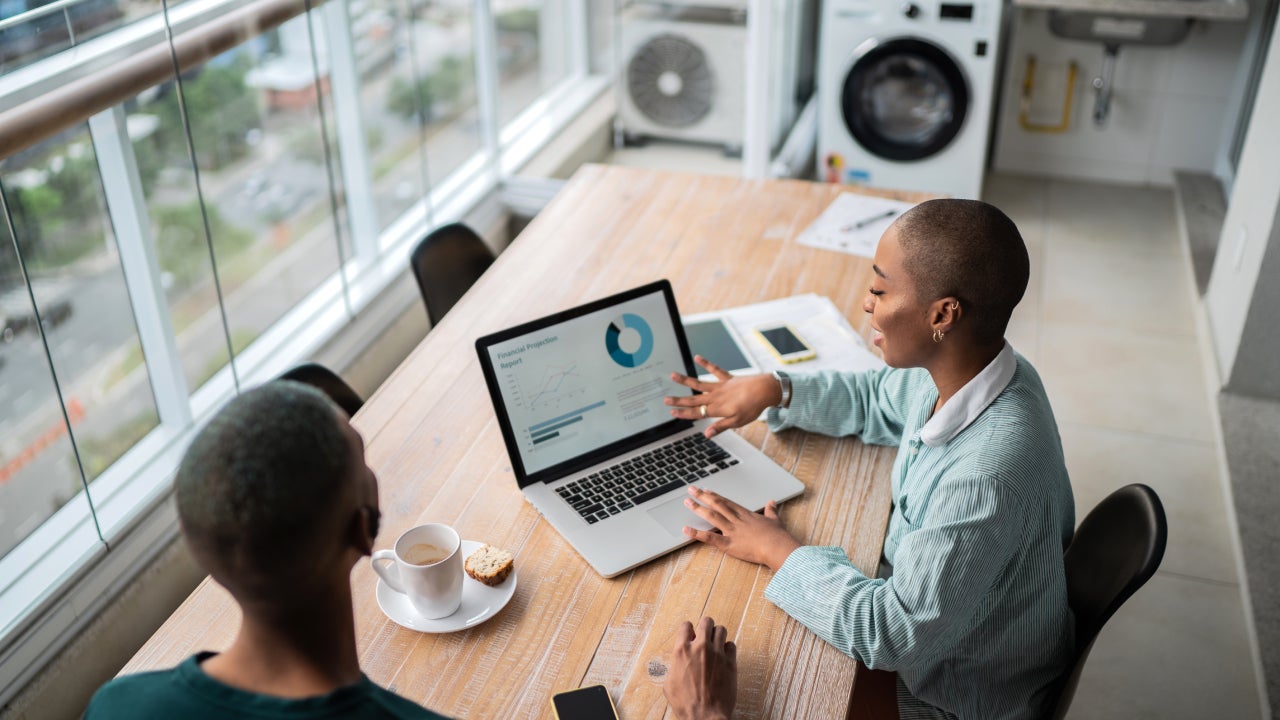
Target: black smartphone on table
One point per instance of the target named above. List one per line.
(588, 703)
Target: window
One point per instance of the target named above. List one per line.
(264, 195)
(79, 332)
(45, 32)
(203, 232)
(532, 52)
(420, 102)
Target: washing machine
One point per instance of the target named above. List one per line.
(906, 92)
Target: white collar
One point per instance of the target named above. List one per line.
(966, 405)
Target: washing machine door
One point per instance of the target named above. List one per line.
(904, 99)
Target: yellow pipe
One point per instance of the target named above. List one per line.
(1028, 87)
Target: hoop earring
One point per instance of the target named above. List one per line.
(938, 335)
(955, 305)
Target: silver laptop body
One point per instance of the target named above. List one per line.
(578, 396)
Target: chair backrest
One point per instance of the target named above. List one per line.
(1116, 549)
(328, 382)
(446, 263)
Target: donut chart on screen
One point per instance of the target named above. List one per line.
(629, 357)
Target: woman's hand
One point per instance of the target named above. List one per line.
(749, 536)
(735, 400)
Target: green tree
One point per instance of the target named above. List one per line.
(61, 220)
(149, 162)
(77, 181)
(444, 86)
(221, 109)
(409, 102)
(180, 240)
(36, 209)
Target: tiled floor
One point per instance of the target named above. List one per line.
(1109, 322)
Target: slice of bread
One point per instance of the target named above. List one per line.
(490, 565)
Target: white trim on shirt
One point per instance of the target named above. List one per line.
(966, 405)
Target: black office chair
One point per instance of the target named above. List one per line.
(446, 263)
(1115, 551)
(328, 382)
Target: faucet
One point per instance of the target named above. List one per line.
(1102, 84)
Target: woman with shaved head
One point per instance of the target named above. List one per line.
(973, 612)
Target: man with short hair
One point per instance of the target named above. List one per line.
(277, 503)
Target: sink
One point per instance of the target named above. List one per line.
(1231, 10)
(1114, 23)
(1113, 31)
(1109, 28)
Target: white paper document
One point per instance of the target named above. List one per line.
(853, 224)
(818, 321)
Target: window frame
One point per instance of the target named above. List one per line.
(64, 572)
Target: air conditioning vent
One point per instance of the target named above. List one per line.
(670, 81)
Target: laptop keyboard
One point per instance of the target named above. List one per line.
(645, 477)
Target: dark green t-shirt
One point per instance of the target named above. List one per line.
(186, 692)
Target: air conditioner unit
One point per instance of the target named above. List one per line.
(683, 74)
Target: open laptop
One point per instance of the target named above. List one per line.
(579, 397)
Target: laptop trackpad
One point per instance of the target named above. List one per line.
(674, 516)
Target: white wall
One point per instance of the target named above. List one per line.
(1250, 227)
(1169, 108)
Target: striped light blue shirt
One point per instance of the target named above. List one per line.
(974, 618)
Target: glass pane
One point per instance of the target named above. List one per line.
(421, 77)
(256, 132)
(55, 196)
(533, 51)
(40, 37)
(600, 35)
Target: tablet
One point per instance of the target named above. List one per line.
(716, 341)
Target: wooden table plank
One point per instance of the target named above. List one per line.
(432, 440)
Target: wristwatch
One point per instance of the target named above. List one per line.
(784, 380)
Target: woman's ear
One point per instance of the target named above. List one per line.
(944, 314)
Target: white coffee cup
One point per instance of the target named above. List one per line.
(426, 565)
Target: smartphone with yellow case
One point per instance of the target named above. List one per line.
(785, 343)
(588, 703)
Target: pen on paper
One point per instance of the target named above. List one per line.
(867, 221)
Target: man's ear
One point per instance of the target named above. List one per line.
(364, 529)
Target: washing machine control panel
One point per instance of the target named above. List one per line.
(962, 12)
(956, 11)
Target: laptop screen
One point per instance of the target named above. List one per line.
(585, 380)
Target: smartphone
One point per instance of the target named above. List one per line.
(785, 343)
(588, 703)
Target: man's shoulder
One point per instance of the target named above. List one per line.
(133, 696)
(168, 694)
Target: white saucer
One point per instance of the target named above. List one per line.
(479, 602)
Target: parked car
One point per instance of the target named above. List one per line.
(16, 315)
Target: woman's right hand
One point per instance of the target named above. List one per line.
(735, 400)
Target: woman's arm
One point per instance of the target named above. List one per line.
(871, 404)
(942, 575)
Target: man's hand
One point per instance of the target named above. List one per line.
(735, 400)
(760, 539)
(702, 683)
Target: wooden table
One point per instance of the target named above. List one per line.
(435, 445)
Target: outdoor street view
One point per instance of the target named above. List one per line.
(258, 140)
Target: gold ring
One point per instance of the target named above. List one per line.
(703, 410)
